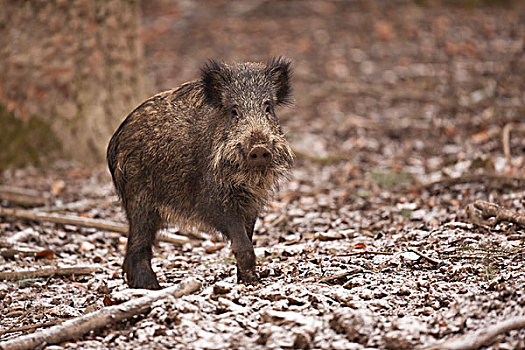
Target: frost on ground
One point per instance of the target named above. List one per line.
(343, 276)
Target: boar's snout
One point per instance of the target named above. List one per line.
(259, 156)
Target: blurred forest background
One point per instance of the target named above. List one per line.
(407, 114)
(436, 80)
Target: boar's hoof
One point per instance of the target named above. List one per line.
(141, 277)
(247, 276)
(144, 281)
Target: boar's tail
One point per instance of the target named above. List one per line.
(112, 154)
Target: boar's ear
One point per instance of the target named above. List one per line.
(214, 77)
(280, 71)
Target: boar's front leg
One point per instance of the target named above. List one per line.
(250, 225)
(242, 249)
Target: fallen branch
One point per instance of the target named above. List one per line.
(426, 257)
(484, 337)
(77, 327)
(490, 210)
(84, 222)
(81, 205)
(169, 237)
(64, 220)
(492, 180)
(49, 271)
(28, 327)
(10, 253)
(22, 196)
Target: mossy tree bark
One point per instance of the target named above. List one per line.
(75, 65)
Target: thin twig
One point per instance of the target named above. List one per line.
(28, 327)
(366, 252)
(483, 337)
(77, 327)
(340, 275)
(426, 257)
(474, 257)
(506, 138)
(506, 142)
(49, 271)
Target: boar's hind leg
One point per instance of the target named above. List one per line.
(143, 225)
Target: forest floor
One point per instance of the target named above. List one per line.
(398, 125)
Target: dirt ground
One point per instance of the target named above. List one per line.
(397, 127)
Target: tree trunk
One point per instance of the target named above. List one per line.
(74, 66)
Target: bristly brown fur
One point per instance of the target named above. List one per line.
(182, 156)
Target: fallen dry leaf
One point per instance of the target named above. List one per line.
(358, 246)
(45, 254)
(57, 187)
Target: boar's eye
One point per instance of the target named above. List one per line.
(235, 112)
(268, 110)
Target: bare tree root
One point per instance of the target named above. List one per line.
(49, 271)
(85, 222)
(77, 327)
(481, 210)
(476, 340)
